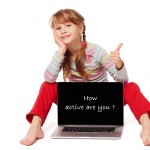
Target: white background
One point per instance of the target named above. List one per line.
(26, 48)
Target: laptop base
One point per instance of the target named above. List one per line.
(59, 134)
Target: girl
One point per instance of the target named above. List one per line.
(82, 61)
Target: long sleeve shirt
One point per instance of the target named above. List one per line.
(97, 65)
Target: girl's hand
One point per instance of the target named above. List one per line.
(115, 57)
(61, 45)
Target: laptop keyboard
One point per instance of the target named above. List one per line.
(88, 129)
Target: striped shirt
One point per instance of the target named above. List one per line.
(97, 65)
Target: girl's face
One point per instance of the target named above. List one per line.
(68, 32)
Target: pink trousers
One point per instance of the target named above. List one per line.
(48, 95)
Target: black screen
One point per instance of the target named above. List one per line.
(90, 103)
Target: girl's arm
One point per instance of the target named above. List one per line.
(53, 69)
(119, 74)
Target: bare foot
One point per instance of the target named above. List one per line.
(35, 132)
(145, 134)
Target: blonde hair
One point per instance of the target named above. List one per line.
(70, 15)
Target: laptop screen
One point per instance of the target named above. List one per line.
(90, 103)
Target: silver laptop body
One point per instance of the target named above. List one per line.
(90, 110)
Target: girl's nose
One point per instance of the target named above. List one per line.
(63, 30)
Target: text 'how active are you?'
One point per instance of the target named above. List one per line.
(90, 107)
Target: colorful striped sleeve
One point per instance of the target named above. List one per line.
(118, 75)
(53, 69)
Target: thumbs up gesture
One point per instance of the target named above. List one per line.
(115, 57)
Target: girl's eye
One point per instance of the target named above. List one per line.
(68, 25)
(58, 28)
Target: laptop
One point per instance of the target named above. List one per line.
(90, 110)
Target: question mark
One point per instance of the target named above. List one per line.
(113, 106)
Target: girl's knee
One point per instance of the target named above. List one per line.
(47, 85)
(131, 86)
(49, 89)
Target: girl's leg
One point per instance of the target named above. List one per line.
(140, 107)
(37, 115)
